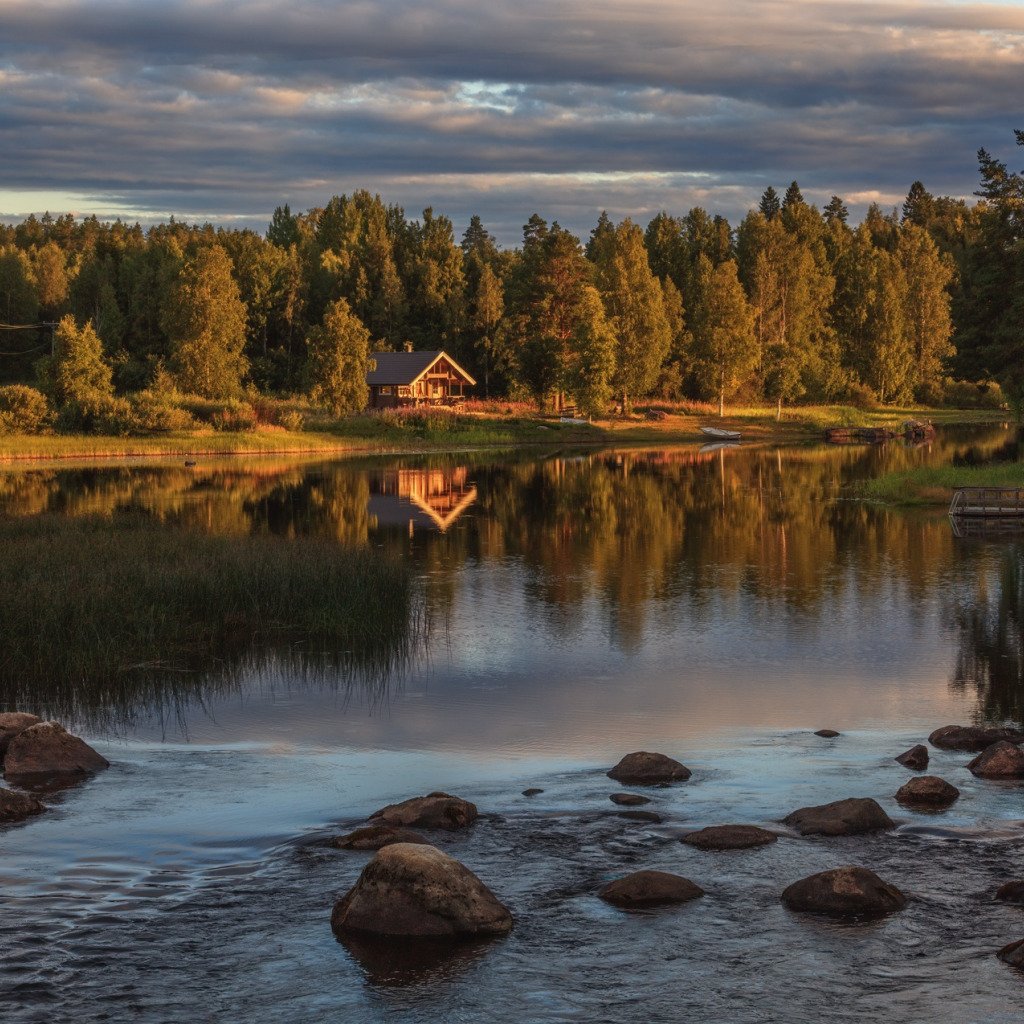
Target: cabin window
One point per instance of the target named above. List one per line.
(387, 389)
(404, 392)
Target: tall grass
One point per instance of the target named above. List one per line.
(933, 485)
(105, 614)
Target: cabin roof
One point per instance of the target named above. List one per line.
(408, 367)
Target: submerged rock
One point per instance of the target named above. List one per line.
(17, 806)
(844, 892)
(648, 889)
(533, 791)
(49, 750)
(648, 816)
(916, 758)
(972, 737)
(418, 891)
(829, 734)
(1001, 760)
(629, 799)
(375, 837)
(1011, 892)
(1013, 954)
(927, 791)
(11, 723)
(642, 766)
(436, 810)
(840, 818)
(729, 837)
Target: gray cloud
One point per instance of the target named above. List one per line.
(226, 108)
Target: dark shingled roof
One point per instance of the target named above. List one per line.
(399, 367)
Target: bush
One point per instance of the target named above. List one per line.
(963, 394)
(155, 413)
(293, 420)
(859, 395)
(97, 414)
(234, 417)
(23, 410)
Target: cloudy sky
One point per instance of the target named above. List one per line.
(222, 109)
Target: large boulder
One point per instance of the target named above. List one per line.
(840, 818)
(376, 837)
(435, 810)
(648, 768)
(648, 889)
(916, 758)
(844, 892)
(418, 891)
(928, 791)
(729, 837)
(17, 806)
(1002, 760)
(972, 737)
(11, 723)
(1011, 892)
(48, 750)
(1013, 954)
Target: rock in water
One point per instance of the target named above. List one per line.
(972, 737)
(1011, 892)
(729, 837)
(916, 758)
(436, 810)
(645, 767)
(418, 891)
(648, 816)
(844, 892)
(828, 734)
(648, 889)
(532, 791)
(11, 723)
(375, 837)
(840, 818)
(927, 791)
(629, 799)
(48, 749)
(1002, 760)
(1013, 954)
(17, 807)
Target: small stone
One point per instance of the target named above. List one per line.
(1011, 892)
(1013, 954)
(629, 799)
(648, 889)
(972, 737)
(927, 791)
(829, 734)
(916, 758)
(17, 806)
(1001, 760)
(413, 890)
(648, 768)
(532, 792)
(844, 892)
(840, 818)
(435, 810)
(729, 837)
(376, 837)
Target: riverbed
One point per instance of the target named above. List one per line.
(716, 605)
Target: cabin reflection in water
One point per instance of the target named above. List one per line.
(430, 499)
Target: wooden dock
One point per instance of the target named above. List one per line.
(988, 503)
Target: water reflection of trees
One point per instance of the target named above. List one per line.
(990, 622)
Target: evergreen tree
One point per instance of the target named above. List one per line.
(666, 250)
(919, 206)
(50, 270)
(486, 306)
(836, 212)
(770, 205)
(593, 344)
(793, 196)
(205, 320)
(77, 371)
(339, 360)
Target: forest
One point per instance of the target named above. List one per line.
(112, 328)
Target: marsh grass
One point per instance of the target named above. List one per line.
(101, 614)
(934, 485)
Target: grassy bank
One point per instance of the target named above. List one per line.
(441, 431)
(108, 612)
(934, 485)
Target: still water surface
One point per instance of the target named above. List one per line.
(718, 606)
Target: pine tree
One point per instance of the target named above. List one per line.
(919, 206)
(339, 360)
(770, 205)
(793, 196)
(205, 320)
(836, 212)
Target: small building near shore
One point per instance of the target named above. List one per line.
(416, 378)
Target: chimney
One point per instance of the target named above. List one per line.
(408, 346)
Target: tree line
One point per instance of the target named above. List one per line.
(791, 304)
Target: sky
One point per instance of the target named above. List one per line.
(223, 109)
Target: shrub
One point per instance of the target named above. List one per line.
(293, 420)
(155, 413)
(234, 417)
(97, 414)
(23, 410)
(963, 394)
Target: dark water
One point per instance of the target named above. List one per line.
(718, 606)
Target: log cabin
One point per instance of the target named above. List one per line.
(416, 378)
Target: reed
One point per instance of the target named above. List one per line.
(106, 614)
(934, 485)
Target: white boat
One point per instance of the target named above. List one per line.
(721, 435)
